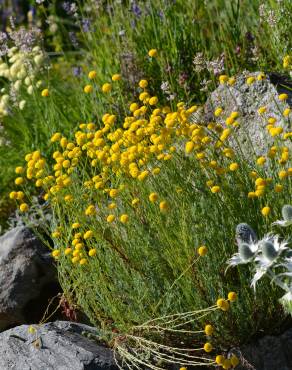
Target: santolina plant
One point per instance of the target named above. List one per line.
(144, 207)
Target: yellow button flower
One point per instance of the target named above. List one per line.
(223, 79)
(19, 170)
(232, 296)
(23, 207)
(92, 252)
(45, 93)
(209, 330)
(124, 219)
(283, 97)
(219, 359)
(215, 189)
(19, 181)
(110, 218)
(88, 89)
(88, 234)
(163, 206)
(143, 84)
(218, 111)
(56, 253)
(266, 211)
(208, 347)
(261, 161)
(106, 88)
(67, 251)
(152, 53)
(250, 80)
(262, 110)
(92, 75)
(233, 166)
(202, 251)
(116, 77)
(189, 147)
(153, 197)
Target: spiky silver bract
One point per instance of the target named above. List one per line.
(287, 212)
(287, 217)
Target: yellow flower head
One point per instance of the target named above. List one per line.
(45, 93)
(143, 84)
(266, 211)
(92, 75)
(218, 111)
(250, 80)
(92, 252)
(124, 218)
(110, 218)
(56, 253)
(153, 197)
(106, 88)
(223, 79)
(23, 207)
(116, 77)
(202, 251)
(223, 304)
(219, 359)
(163, 206)
(88, 234)
(209, 330)
(283, 97)
(215, 189)
(233, 166)
(152, 53)
(208, 347)
(19, 170)
(232, 296)
(262, 110)
(88, 89)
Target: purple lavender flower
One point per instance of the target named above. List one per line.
(3, 44)
(161, 14)
(77, 71)
(70, 8)
(24, 39)
(86, 24)
(66, 6)
(136, 10)
(73, 39)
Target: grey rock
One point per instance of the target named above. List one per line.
(252, 135)
(267, 353)
(28, 278)
(59, 345)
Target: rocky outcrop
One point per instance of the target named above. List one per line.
(59, 345)
(251, 135)
(267, 353)
(28, 278)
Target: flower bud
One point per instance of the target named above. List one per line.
(269, 250)
(287, 212)
(245, 234)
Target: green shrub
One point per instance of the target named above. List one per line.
(137, 203)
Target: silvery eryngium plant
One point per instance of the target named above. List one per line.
(270, 256)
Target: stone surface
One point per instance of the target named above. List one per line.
(267, 353)
(28, 278)
(59, 345)
(246, 99)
